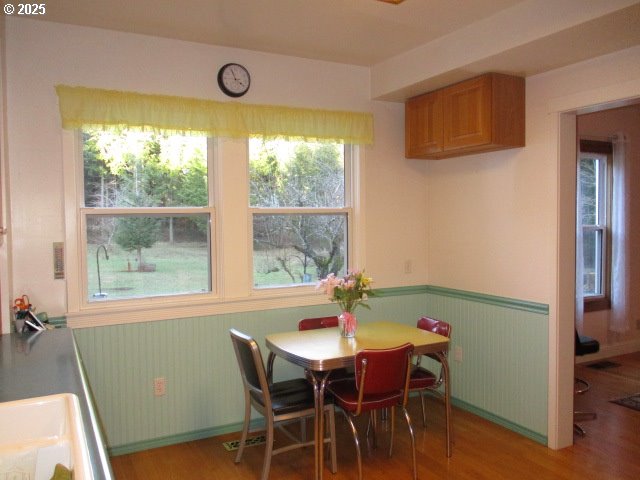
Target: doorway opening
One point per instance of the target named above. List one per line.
(566, 294)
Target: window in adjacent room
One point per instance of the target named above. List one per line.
(146, 215)
(594, 198)
(300, 207)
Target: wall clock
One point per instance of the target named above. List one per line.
(234, 79)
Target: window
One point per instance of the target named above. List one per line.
(162, 226)
(145, 215)
(300, 204)
(593, 217)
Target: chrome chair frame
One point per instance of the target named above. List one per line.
(258, 392)
(360, 387)
(444, 327)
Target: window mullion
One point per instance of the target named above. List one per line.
(298, 211)
(149, 211)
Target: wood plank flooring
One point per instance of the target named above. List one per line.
(482, 450)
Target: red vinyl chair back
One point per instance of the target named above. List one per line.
(381, 381)
(318, 322)
(385, 371)
(435, 326)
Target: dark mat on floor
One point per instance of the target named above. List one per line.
(234, 444)
(631, 402)
(603, 364)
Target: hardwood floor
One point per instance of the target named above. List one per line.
(482, 450)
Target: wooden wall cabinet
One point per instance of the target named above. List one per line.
(478, 115)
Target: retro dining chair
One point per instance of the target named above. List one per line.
(279, 403)
(422, 379)
(380, 381)
(318, 322)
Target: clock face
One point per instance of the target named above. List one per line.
(234, 79)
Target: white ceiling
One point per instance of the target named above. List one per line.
(358, 32)
(382, 35)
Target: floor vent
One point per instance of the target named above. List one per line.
(234, 444)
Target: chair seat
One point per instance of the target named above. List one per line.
(288, 396)
(422, 378)
(279, 403)
(289, 386)
(345, 396)
(334, 375)
(586, 345)
(340, 374)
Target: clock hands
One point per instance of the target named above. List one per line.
(234, 80)
(239, 81)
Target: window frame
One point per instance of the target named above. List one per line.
(137, 211)
(350, 153)
(231, 244)
(76, 241)
(604, 152)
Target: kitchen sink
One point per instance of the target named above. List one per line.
(38, 433)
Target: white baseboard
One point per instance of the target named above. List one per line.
(607, 351)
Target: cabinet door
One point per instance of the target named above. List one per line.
(467, 113)
(423, 125)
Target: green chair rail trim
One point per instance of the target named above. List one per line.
(396, 291)
(511, 303)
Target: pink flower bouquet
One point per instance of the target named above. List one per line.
(348, 292)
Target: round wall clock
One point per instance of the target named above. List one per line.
(234, 79)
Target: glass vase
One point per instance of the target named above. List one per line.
(347, 324)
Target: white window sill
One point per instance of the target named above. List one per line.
(149, 311)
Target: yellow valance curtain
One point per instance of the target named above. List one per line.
(91, 107)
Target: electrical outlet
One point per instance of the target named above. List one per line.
(457, 353)
(159, 386)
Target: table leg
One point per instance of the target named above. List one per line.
(319, 384)
(447, 397)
